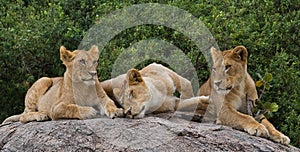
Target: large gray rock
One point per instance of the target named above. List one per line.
(162, 132)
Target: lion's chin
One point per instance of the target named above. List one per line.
(223, 91)
(89, 82)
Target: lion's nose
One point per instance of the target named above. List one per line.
(217, 83)
(93, 73)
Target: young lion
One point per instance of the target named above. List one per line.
(71, 96)
(151, 90)
(228, 85)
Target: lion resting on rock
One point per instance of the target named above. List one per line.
(229, 85)
(76, 95)
(151, 90)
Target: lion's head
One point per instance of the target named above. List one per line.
(229, 68)
(133, 95)
(81, 65)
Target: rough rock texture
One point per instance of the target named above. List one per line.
(163, 132)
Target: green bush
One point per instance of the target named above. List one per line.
(32, 32)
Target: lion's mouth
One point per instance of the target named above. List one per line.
(228, 88)
(224, 91)
(90, 79)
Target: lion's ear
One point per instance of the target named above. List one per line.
(94, 50)
(241, 53)
(66, 55)
(134, 77)
(214, 53)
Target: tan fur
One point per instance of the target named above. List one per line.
(151, 90)
(228, 86)
(75, 95)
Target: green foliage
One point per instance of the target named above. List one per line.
(285, 92)
(266, 108)
(32, 32)
(264, 81)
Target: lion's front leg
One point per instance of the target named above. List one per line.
(109, 108)
(231, 117)
(71, 111)
(275, 135)
(106, 105)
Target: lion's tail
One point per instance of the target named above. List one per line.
(13, 118)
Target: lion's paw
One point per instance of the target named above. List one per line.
(114, 112)
(257, 130)
(87, 112)
(281, 138)
(25, 119)
(41, 117)
(33, 116)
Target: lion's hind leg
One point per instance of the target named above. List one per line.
(37, 90)
(34, 116)
(274, 134)
(198, 103)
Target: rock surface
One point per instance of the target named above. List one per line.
(163, 132)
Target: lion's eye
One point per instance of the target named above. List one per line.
(82, 61)
(227, 67)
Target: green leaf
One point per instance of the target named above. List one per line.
(259, 76)
(259, 83)
(268, 86)
(267, 106)
(269, 115)
(268, 77)
(259, 104)
(274, 107)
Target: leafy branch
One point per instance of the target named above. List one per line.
(264, 108)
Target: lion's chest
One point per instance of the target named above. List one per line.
(235, 98)
(86, 96)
